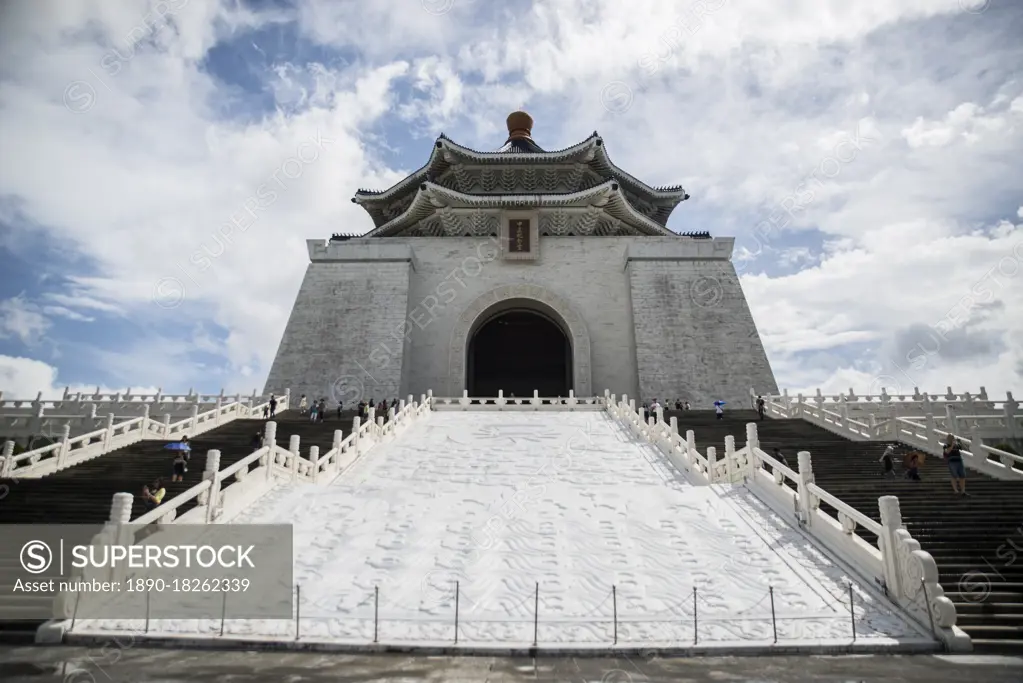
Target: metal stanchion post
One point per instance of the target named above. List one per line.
(456, 612)
(74, 614)
(536, 614)
(696, 622)
(298, 609)
(614, 604)
(223, 614)
(147, 611)
(376, 612)
(852, 611)
(774, 622)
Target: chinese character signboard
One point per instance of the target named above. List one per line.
(519, 233)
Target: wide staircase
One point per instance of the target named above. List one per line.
(971, 538)
(82, 494)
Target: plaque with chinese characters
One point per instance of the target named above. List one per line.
(518, 235)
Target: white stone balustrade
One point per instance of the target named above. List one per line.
(26, 419)
(919, 426)
(909, 574)
(224, 493)
(68, 451)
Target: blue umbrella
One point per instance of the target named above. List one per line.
(720, 403)
(178, 446)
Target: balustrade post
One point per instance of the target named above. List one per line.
(977, 442)
(270, 442)
(220, 405)
(314, 462)
(730, 458)
(212, 494)
(799, 406)
(872, 422)
(390, 418)
(949, 394)
(806, 501)
(293, 447)
(712, 456)
(287, 399)
(195, 417)
(65, 447)
(690, 443)
(752, 444)
(380, 426)
(983, 394)
(1009, 411)
(787, 401)
(108, 435)
(144, 426)
(536, 397)
(120, 517)
(843, 410)
(336, 447)
(356, 436)
(7, 466)
(930, 427)
(891, 522)
(951, 419)
(819, 400)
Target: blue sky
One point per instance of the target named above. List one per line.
(866, 156)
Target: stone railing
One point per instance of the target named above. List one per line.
(926, 433)
(69, 450)
(222, 494)
(536, 402)
(908, 575)
(884, 405)
(85, 413)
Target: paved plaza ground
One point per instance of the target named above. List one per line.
(136, 665)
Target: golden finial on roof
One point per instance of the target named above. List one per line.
(520, 125)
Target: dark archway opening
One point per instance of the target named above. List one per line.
(519, 351)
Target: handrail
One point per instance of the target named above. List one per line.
(846, 509)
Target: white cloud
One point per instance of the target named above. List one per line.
(22, 320)
(23, 378)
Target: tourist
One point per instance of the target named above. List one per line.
(654, 407)
(780, 457)
(719, 410)
(321, 410)
(361, 409)
(339, 409)
(312, 412)
(266, 411)
(179, 467)
(257, 441)
(952, 450)
(761, 408)
(887, 461)
(383, 408)
(302, 405)
(913, 467)
(153, 494)
(678, 404)
(687, 406)
(273, 405)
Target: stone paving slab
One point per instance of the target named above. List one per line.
(114, 664)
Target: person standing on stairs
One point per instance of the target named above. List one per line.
(179, 467)
(312, 412)
(887, 461)
(952, 450)
(719, 410)
(321, 410)
(273, 405)
(760, 406)
(302, 405)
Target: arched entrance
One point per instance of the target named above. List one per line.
(529, 297)
(519, 350)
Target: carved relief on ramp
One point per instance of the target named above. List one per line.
(571, 323)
